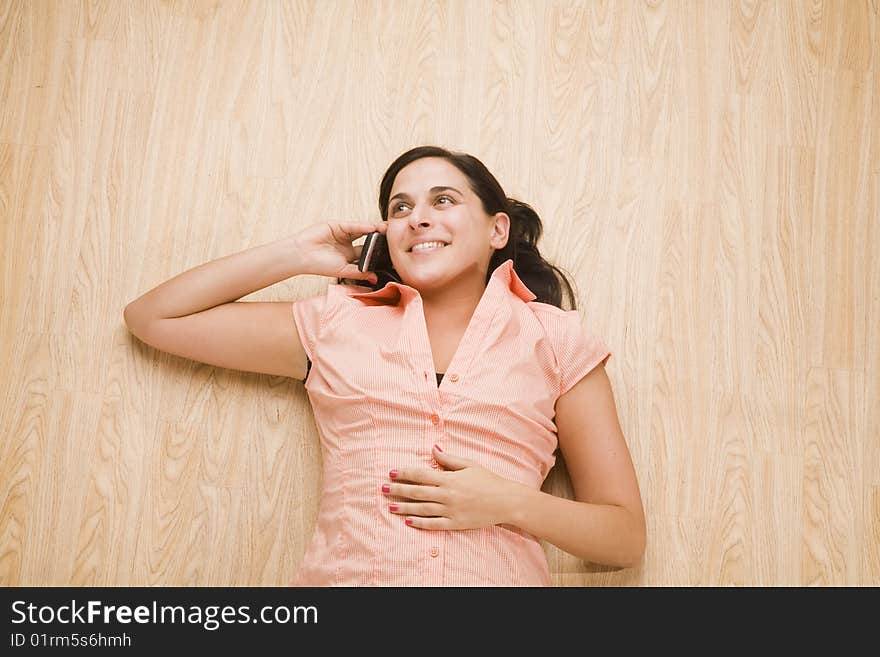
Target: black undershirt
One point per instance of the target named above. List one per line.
(309, 367)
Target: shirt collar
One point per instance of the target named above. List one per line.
(504, 275)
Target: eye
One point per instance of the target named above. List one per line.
(395, 207)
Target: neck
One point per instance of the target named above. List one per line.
(452, 307)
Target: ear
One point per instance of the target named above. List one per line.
(500, 230)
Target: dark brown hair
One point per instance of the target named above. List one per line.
(540, 276)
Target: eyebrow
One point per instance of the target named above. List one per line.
(433, 190)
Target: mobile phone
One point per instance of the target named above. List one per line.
(374, 251)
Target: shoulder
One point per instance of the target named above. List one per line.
(553, 318)
(559, 327)
(576, 347)
(542, 309)
(323, 307)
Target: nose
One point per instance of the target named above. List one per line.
(419, 217)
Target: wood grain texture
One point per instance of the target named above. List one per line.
(707, 172)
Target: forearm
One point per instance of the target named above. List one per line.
(599, 533)
(220, 281)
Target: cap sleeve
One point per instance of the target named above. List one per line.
(308, 314)
(577, 351)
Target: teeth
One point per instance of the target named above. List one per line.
(427, 245)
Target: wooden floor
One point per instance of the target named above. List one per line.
(708, 172)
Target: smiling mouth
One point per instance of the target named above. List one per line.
(431, 250)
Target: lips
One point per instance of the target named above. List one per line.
(411, 249)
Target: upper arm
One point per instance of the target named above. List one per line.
(593, 446)
(253, 336)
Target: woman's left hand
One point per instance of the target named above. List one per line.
(463, 496)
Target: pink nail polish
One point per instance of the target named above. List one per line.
(392, 507)
(386, 488)
(392, 474)
(409, 521)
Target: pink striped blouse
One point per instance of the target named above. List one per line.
(378, 406)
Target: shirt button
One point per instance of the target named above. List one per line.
(435, 551)
(435, 418)
(453, 377)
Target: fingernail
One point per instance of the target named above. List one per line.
(438, 448)
(386, 488)
(392, 507)
(409, 521)
(392, 474)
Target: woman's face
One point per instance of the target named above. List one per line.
(453, 215)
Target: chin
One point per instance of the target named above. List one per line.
(425, 278)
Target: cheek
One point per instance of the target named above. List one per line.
(395, 246)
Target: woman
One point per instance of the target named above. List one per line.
(428, 482)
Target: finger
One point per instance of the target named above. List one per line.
(417, 475)
(428, 523)
(351, 271)
(351, 230)
(413, 492)
(427, 509)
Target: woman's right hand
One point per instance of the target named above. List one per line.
(326, 249)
